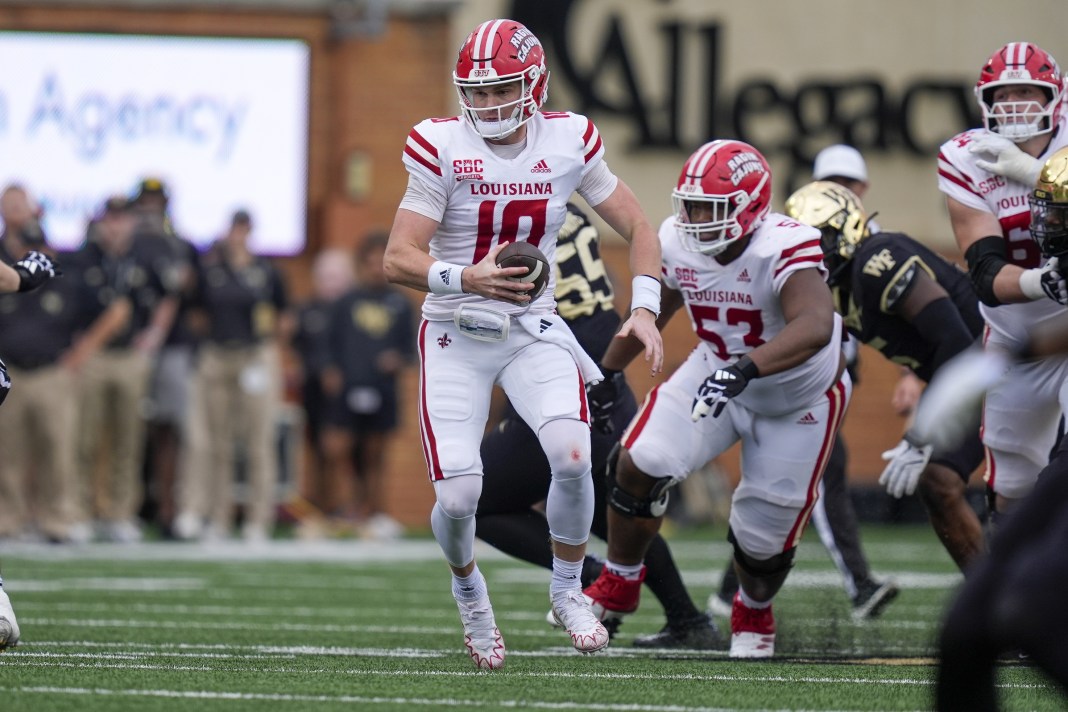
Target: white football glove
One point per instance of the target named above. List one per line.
(1045, 281)
(906, 463)
(1009, 161)
(946, 410)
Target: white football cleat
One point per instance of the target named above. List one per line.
(572, 611)
(752, 631)
(9, 627)
(481, 635)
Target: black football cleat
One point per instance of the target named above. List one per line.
(699, 633)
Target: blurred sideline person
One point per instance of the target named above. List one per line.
(39, 477)
(38, 480)
(28, 273)
(503, 171)
(1012, 599)
(516, 475)
(834, 517)
(987, 175)
(371, 341)
(126, 295)
(240, 301)
(918, 310)
(768, 371)
(333, 275)
(174, 258)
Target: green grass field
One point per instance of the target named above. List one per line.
(350, 624)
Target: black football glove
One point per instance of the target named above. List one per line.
(35, 268)
(602, 398)
(717, 389)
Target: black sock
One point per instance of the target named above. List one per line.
(663, 579)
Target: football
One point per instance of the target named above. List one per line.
(524, 254)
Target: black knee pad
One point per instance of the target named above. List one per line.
(651, 507)
(755, 567)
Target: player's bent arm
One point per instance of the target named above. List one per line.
(928, 307)
(407, 257)
(808, 309)
(623, 213)
(995, 280)
(622, 350)
(407, 262)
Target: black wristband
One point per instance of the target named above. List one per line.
(747, 368)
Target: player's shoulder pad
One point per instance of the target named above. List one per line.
(886, 266)
(592, 145)
(781, 234)
(425, 141)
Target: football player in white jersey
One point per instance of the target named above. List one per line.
(503, 171)
(1011, 599)
(987, 175)
(768, 371)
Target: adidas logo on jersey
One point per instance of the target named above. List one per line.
(544, 325)
(744, 276)
(808, 419)
(541, 167)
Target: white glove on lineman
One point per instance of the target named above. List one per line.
(1045, 281)
(906, 463)
(1009, 161)
(949, 403)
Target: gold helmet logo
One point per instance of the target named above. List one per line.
(835, 211)
(1049, 206)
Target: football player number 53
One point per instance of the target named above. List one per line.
(514, 211)
(703, 314)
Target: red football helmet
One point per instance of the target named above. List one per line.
(499, 52)
(723, 194)
(1019, 63)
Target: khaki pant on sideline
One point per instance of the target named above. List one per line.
(114, 384)
(236, 394)
(38, 436)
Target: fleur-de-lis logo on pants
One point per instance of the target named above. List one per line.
(444, 340)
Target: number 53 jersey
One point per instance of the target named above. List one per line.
(490, 199)
(736, 307)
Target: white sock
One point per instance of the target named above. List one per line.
(749, 602)
(630, 572)
(469, 588)
(566, 576)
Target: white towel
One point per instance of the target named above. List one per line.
(553, 329)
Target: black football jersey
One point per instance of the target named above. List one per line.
(881, 273)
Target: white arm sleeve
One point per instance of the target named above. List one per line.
(423, 198)
(598, 183)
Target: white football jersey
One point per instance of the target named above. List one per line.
(490, 199)
(968, 184)
(735, 307)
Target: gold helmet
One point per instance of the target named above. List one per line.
(838, 214)
(1049, 206)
